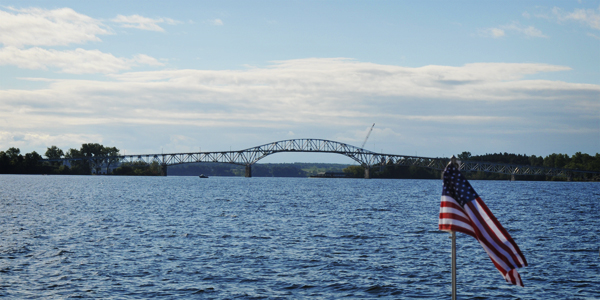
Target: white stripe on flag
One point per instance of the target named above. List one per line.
(452, 210)
(498, 233)
(484, 231)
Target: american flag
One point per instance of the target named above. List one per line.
(462, 210)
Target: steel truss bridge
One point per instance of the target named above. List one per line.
(367, 159)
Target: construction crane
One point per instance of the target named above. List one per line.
(366, 138)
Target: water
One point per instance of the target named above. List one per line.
(283, 238)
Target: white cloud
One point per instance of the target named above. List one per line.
(216, 22)
(497, 32)
(308, 78)
(59, 27)
(531, 31)
(143, 23)
(516, 27)
(293, 95)
(40, 27)
(593, 35)
(357, 137)
(589, 17)
(493, 32)
(301, 91)
(41, 141)
(171, 21)
(78, 61)
(146, 60)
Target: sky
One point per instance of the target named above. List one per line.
(436, 77)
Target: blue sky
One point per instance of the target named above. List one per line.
(436, 77)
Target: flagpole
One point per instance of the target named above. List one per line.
(453, 237)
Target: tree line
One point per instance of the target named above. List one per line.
(13, 162)
(579, 161)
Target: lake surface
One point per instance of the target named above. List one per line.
(284, 238)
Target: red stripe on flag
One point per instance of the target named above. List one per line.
(499, 260)
(509, 255)
(507, 236)
(451, 204)
(513, 277)
(479, 231)
(454, 218)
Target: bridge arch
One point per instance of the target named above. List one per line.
(308, 145)
(254, 154)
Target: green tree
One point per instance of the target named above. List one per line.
(536, 161)
(5, 166)
(139, 169)
(95, 154)
(32, 163)
(110, 152)
(91, 150)
(54, 152)
(13, 153)
(464, 156)
(15, 160)
(556, 160)
(594, 163)
(355, 171)
(73, 153)
(81, 167)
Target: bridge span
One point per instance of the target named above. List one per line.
(367, 159)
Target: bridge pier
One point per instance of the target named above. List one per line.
(512, 177)
(163, 169)
(248, 170)
(367, 173)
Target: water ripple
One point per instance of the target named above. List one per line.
(283, 238)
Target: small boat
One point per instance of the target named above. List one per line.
(203, 176)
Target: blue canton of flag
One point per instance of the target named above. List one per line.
(462, 210)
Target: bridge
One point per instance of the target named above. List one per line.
(367, 159)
